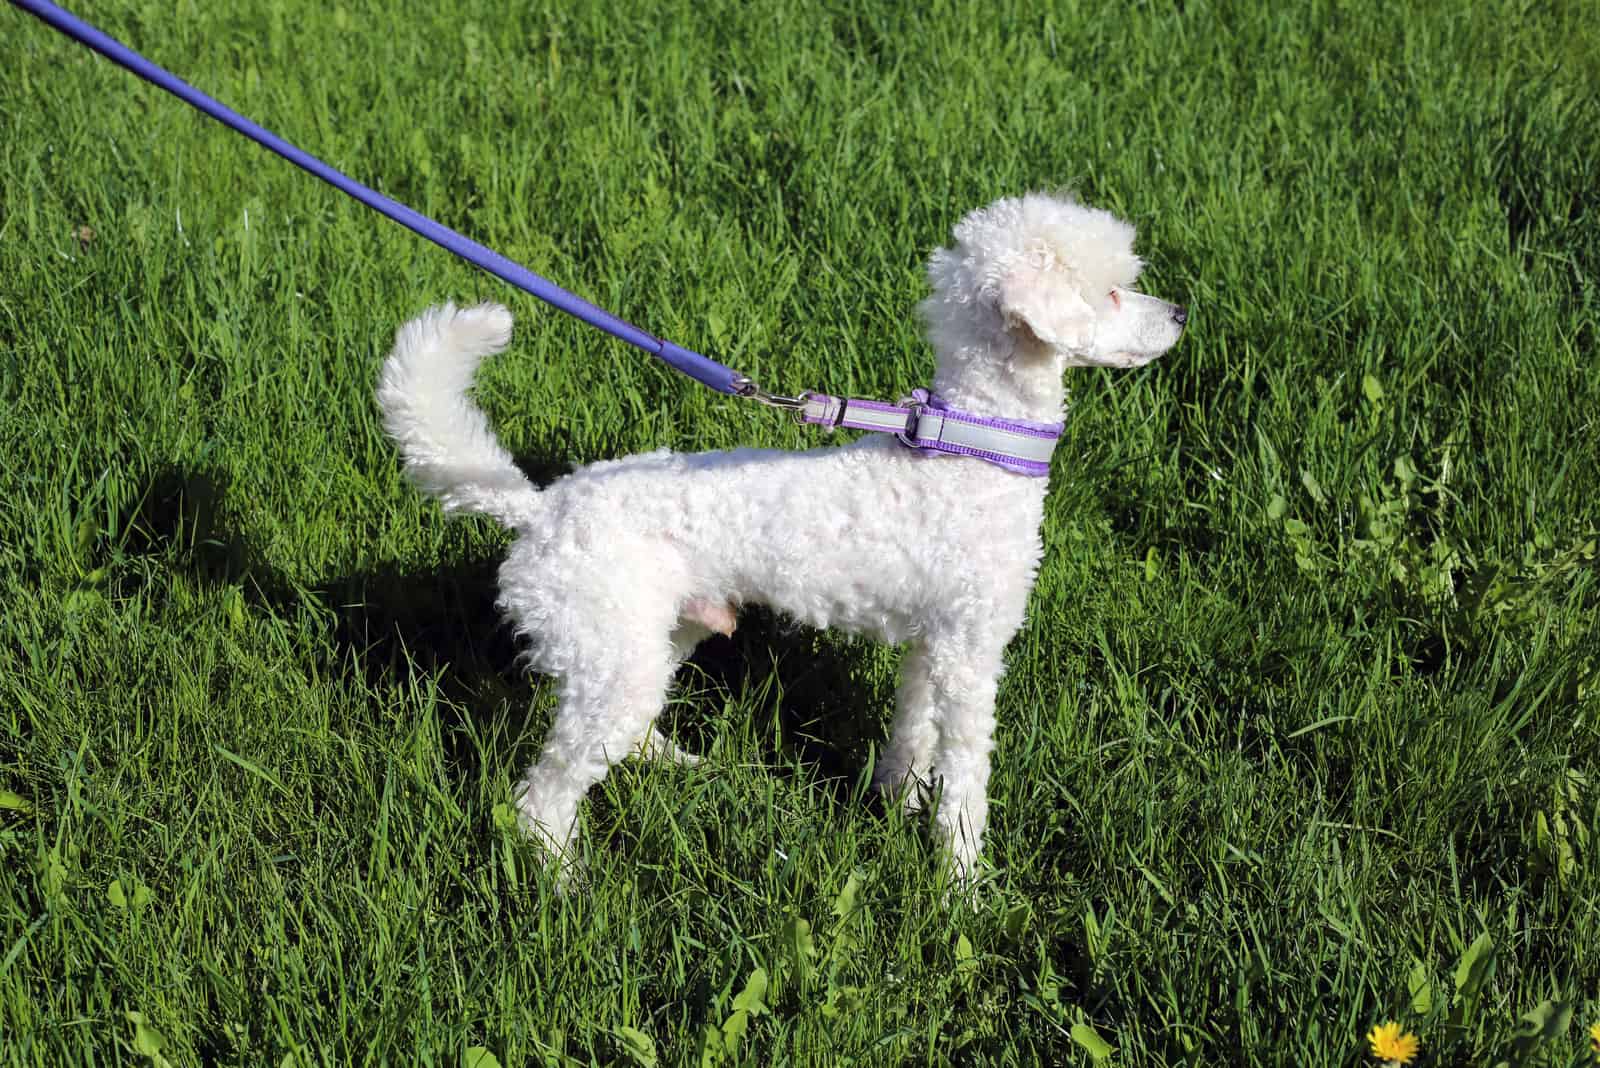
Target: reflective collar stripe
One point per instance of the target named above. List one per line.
(924, 423)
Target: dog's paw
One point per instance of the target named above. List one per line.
(968, 871)
(657, 746)
(907, 790)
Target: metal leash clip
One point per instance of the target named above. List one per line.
(914, 406)
(745, 386)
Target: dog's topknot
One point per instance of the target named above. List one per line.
(1084, 248)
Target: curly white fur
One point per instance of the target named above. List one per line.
(620, 568)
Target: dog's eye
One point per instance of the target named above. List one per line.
(1116, 301)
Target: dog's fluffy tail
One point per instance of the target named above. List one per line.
(448, 447)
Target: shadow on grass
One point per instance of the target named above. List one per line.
(828, 712)
(391, 624)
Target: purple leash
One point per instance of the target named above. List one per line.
(701, 368)
(922, 423)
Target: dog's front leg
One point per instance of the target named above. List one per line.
(905, 770)
(965, 677)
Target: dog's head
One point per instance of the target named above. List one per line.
(1044, 278)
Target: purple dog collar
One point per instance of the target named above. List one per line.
(925, 422)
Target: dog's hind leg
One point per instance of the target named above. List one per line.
(608, 700)
(905, 770)
(696, 625)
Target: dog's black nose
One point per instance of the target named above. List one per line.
(1180, 315)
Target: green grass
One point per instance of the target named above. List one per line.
(1308, 701)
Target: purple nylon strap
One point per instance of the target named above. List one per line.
(702, 369)
(926, 422)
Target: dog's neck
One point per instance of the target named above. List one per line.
(1011, 379)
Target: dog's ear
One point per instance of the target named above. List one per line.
(1054, 310)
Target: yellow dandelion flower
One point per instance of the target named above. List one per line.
(1594, 1036)
(1390, 1046)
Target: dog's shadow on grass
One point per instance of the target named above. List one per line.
(822, 693)
(392, 624)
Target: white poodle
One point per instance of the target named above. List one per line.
(621, 567)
